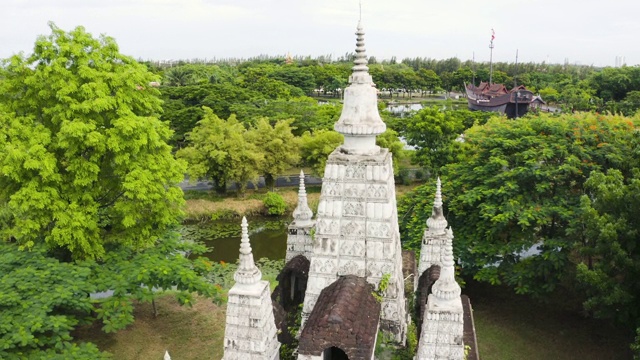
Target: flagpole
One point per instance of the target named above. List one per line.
(491, 57)
(474, 68)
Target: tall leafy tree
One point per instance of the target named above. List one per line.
(608, 270)
(88, 196)
(317, 146)
(518, 186)
(436, 134)
(221, 151)
(84, 159)
(280, 148)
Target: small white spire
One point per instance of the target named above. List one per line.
(166, 355)
(247, 273)
(302, 214)
(361, 54)
(437, 223)
(446, 288)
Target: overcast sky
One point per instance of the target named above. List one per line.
(581, 31)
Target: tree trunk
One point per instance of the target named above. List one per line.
(221, 187)
(155, 309)
(270, 181)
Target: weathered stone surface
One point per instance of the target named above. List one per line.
(345, 316)
(299, 238)
(434, 238)
(357, 232)
(250, 331)
(356, 229)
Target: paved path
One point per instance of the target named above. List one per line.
(282, 181)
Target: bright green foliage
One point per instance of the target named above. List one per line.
(141, 275)
(550, 95)
(389, 140)
(306, 113)
(280, 148)
(317, 146)
(518, 185)
(221, 151)
(609, 268)
(275, 204)
(83, 157)
(434, 133)
(41, 301)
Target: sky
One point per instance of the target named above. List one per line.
(586, 32)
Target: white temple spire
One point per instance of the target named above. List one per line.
(437, 223)
(247, 273)
(360, 121)
(302, 214)
(446, 288)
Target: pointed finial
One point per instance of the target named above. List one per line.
(437, 222)
(361, 52)
(360, 121)
(302, 214)
(438, 199)
(446, 288)
(247, 273)
(360, 10)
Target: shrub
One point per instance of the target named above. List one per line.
(275, 204)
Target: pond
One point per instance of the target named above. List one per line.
(405, 109)
(268, 238)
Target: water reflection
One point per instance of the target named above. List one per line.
(268, 238)
(407, 109)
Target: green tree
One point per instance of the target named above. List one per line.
(88, 196)
(280, 148)
(317, 146)
(436, 134)
(609, 267)
(83, 157)
(518, 186)
(462, 76)
(178, 76)
(389, 140)
(221, 151)
(550, 95)
(429, 80)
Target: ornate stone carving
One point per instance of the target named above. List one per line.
(352, 228)
(353, 209)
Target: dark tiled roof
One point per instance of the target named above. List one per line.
(298, 264)
(346, 316)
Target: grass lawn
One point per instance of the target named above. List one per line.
(200, 205)
(187, 333)
(513, 327)
(509, 327)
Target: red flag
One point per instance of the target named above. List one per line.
(493, 35)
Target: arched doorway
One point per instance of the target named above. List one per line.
(334, 353)
(293, 282)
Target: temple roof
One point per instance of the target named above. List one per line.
(298, 264)
(346, 316)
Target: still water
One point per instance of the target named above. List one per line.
(407, 109)
(268, 238)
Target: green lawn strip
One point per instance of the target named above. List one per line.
(511, 326)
